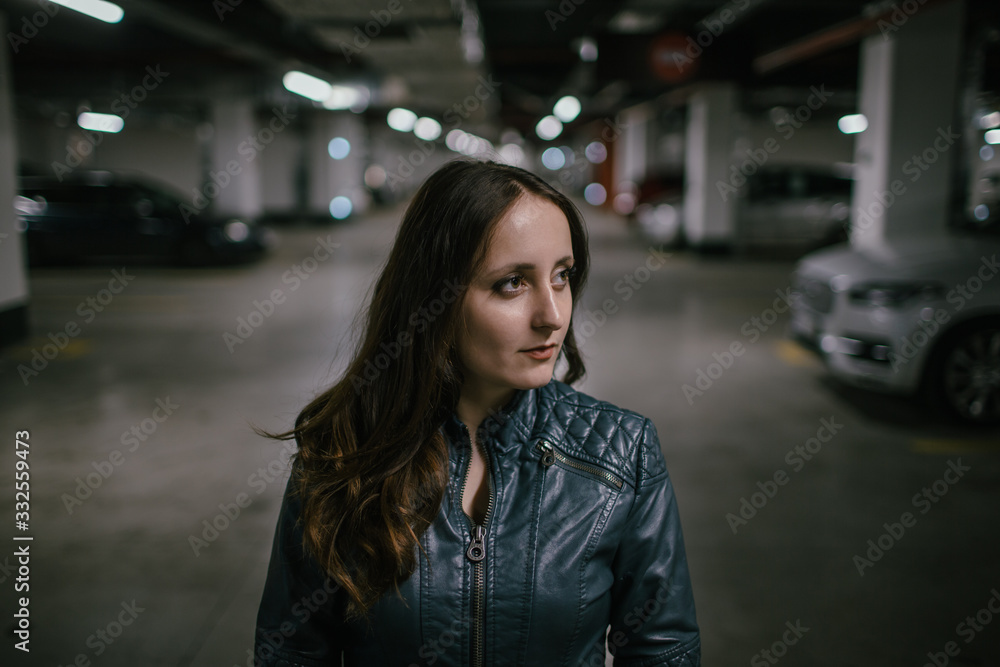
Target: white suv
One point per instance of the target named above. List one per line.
(919, 316)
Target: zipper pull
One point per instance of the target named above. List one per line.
(548, 454)
(477, 550)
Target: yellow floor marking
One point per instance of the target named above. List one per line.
(76, 347)
(794, 354)
(953, 446)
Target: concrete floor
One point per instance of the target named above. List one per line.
(124, 552)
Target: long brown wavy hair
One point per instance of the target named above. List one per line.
(373, 462)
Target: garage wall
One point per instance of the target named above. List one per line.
(165, 151)
(13, 280)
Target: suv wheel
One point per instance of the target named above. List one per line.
(964, 374)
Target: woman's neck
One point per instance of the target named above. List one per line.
(475, 406)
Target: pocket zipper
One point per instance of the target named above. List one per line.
(551, 455)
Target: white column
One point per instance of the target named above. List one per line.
(13, 276)
(329, 177)
(236, 147)
(630, 149)
(708, 216)
(904, 160)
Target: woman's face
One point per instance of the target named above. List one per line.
(518, 305)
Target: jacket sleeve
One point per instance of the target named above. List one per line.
(653, 617)
(297, 623)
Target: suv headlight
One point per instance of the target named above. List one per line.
(895, 294)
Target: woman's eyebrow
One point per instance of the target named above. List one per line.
(528, 266)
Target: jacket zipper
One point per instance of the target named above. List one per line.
(551, 455)
(476, 553)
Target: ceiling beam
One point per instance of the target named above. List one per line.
(824, 41)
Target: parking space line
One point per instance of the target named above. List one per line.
(794, 354)
(953, 445)
(74, 348)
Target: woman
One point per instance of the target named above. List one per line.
(453, 504)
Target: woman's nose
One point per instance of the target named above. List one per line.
(550, 307)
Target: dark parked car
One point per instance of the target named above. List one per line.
(99, 215)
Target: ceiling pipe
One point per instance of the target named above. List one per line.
(169, 19)
(842, 34)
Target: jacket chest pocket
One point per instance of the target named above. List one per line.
(551, 456)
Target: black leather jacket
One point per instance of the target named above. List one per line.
(582, 533)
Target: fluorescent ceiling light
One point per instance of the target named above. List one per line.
(853, 123)
(512, 154)
(100, 122)
(347, 97)
(553, 158)
(101, 10)
(567, 109)
(401, 120)
(992, 137)
(454, 139)
(549, 128)
(990, 120)
(587, 48)
(427, 129)
(339, 148)
(307, 85)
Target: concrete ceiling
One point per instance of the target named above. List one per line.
(431, 54)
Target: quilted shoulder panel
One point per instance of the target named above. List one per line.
(600, 432)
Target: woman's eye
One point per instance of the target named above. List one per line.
(511, 284)
(566, 274)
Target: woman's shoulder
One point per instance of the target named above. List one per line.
(573, 403)
(600, 431)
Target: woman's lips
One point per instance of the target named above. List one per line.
(542, 352)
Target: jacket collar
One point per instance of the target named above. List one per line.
(505, 428)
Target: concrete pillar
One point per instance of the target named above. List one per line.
(329, 177)
(904, 160)
(708, 216)
(235, 149)
(13, 276)
(630, 149)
